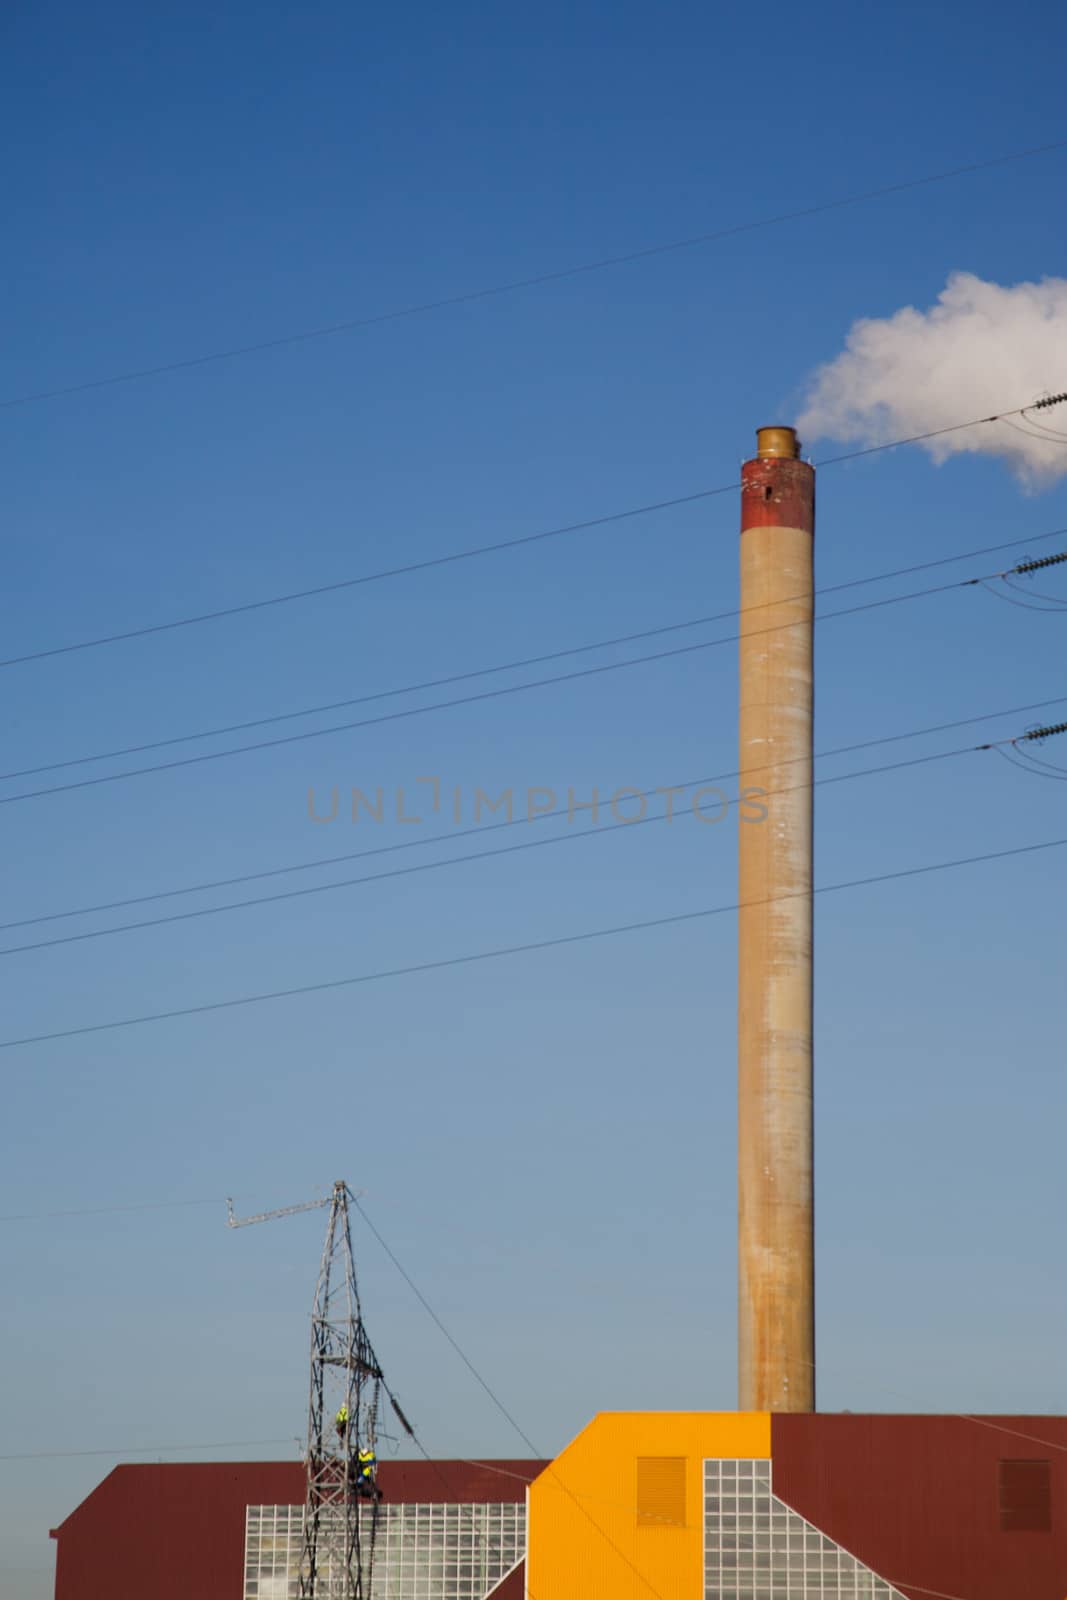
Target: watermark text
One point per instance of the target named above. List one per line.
(429, 798)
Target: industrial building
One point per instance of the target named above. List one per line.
(775, 1501)
(232, 1531)
(640, 1506)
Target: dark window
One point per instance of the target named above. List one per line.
(1025, 1497)
(661, 1491)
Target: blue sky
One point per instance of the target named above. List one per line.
(547, 1142)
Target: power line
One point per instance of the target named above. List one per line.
(448, 861)
(529, 948)
(143, 1450)
(428, 1308)
(484, 1465)
(1026, 760)
(931, 433)
(493, 827)
(1031, 764)
(373, 577)
(470, 296)
(1042, 602)
(435, 1464)
(962, 1416)
(481, 829)
(620, 825)
(938, 1594)
(487, 1466)
(102, 1211)
(501, 1407)
(1012, 582)
(368, 699)
(466, 700)
(539, 660)
(579, 1499)
(1000, 1427)
(1043, 428)
(476, 550)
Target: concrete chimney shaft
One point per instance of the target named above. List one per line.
(776, 1299)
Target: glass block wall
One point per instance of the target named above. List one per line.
(757, 1548)
(422, 1552)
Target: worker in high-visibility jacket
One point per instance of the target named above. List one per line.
(368, 1473)
(341, 1422)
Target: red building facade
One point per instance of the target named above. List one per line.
(973, 1507)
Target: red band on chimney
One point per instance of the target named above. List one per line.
(777, 493)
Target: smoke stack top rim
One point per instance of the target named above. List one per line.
(777, 444)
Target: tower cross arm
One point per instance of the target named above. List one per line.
(234, 1221)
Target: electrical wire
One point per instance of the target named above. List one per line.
(428, 1308)
(1000, 1427)
(1036, 422)
(624, 826)
(410, 567)
(529, 948)
(1029, 432)
(579, 1500)
(472, 699)
(1011, 600)
(476, 550)
(142, 1450)
(481, 829)
(101, 1211)
(492, 1466)
(497, 1402)
(939, 1594)
(966, 1416)
(501, 1472)
(1037, 736)
(1025, 599)
(915, 438)
(1054, 602)
(1016, 759)
(526, 661)
(469, 296)
(367, 699)
(1049, 766)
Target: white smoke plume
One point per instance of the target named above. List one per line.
(982, 349)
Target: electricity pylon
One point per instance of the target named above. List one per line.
(341, 1502)
(346, 1384)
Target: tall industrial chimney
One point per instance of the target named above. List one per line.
(776, 1298)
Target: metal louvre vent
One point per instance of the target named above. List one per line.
(661, 1491)
(1025, 1496)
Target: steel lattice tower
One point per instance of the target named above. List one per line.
(339, 1516)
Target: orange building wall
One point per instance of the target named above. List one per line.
(584, 1540)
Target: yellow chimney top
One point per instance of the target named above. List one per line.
(777, 443)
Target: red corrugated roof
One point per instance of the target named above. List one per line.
(177, 1529)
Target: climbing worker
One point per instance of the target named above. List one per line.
(341, 1422)
(368, 1473)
